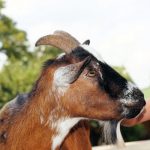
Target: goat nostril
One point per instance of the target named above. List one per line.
(140, 103)
(133, 108)
(143, 103)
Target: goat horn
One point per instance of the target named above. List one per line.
(67, 35)
(59, 39)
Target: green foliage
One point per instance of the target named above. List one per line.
(123, 72)
(146, 92)
(23, 68)
(20, 75)
(135, 133)
(13, 41)
(1, 4)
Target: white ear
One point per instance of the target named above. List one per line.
(61, 79)
(66, 75)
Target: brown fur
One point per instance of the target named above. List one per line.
(23, 127)
(78, 138)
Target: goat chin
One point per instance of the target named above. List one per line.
(119, 139)
(111, 133)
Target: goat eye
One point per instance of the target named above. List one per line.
(91, 73)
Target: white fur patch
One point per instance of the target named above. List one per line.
(63, 127)
(41, 119)
(60, 81)
(129, 99)
(131, 87)
(128, 93)
(93, 51)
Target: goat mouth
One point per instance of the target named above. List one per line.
(133, 112)
(141, 112)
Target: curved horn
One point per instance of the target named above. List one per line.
(67, 35)
(59, 39)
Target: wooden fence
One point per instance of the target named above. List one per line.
(139, 145)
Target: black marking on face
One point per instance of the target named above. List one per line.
(135, 93)
(80, 53)
(113, 83)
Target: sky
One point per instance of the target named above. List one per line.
(119, 30)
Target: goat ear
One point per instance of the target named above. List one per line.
(87, 42)
(70, 73)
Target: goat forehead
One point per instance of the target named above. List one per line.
(81, 53)
(107, 71)
(93, 51)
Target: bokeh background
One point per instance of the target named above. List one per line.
(119, 30)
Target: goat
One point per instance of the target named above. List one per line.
(77, 85)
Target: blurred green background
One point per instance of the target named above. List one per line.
(23, 66)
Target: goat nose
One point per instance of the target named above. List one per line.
(135, 98)
(143, 102)
(137, 94)
(139, 103)
(133, 108)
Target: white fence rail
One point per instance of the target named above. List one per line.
(139, 145)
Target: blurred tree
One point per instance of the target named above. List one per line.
(147, 92)
(1, 4)
(13, 41)
(122, 70)
(19, 76)
(135, 133)
(22, 67)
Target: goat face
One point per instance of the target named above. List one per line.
(88, 87)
